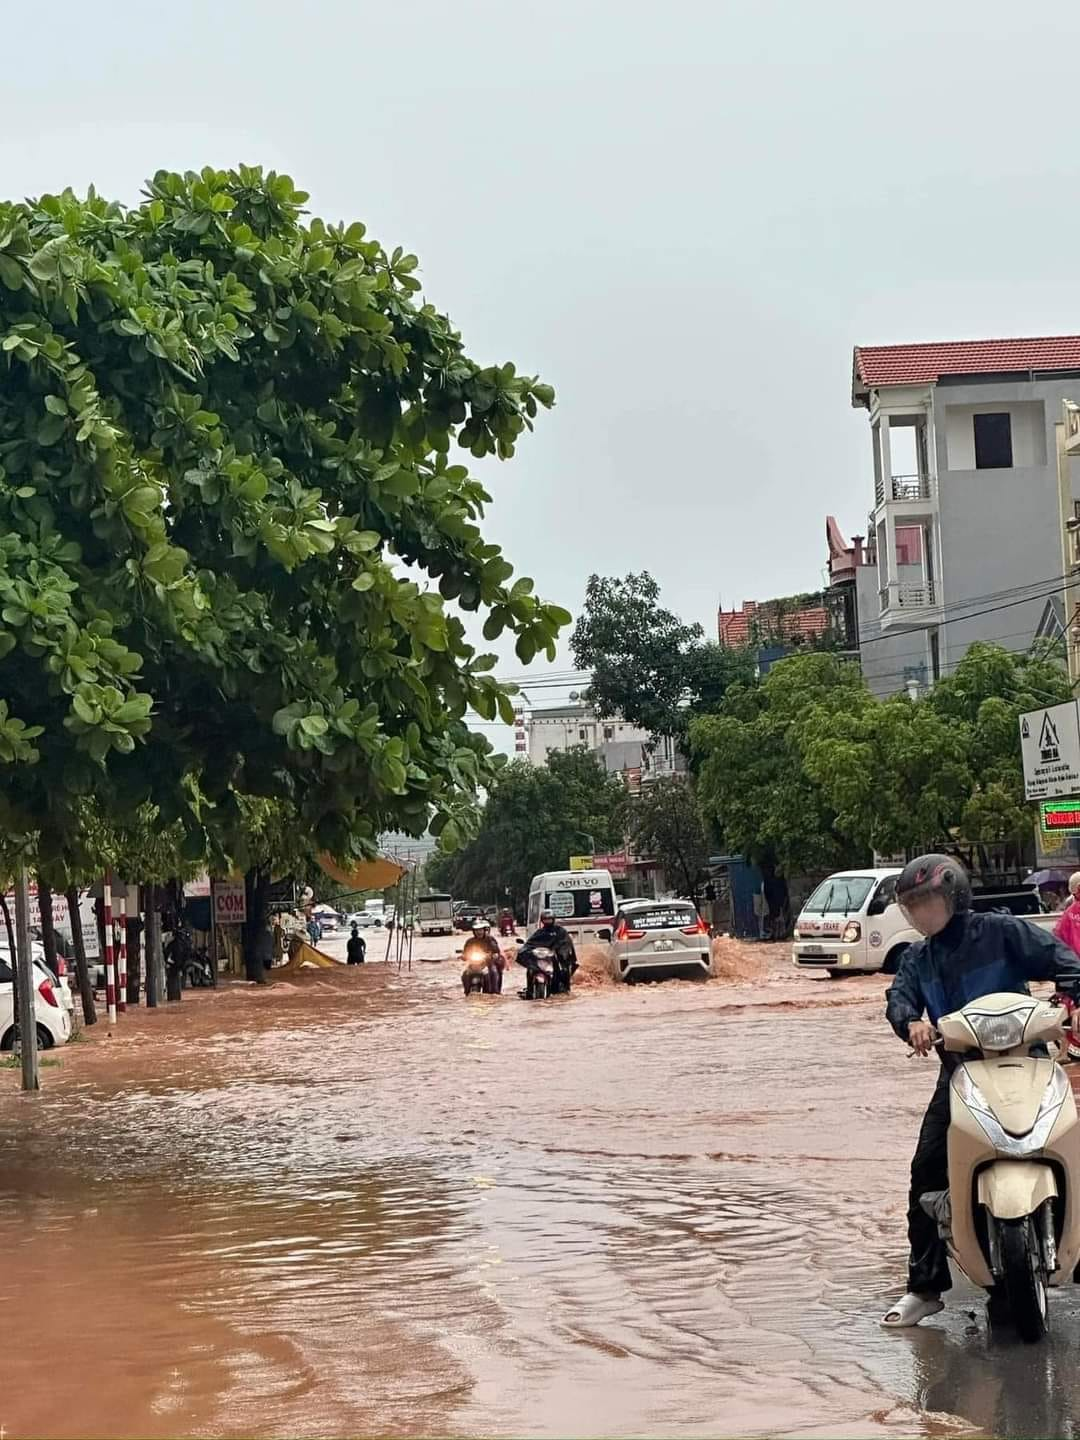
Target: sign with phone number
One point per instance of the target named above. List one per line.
(230, 902)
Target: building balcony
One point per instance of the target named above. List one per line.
(1072, 427)
(905, 488)
(907, 600)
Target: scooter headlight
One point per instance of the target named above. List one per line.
(999, 1032)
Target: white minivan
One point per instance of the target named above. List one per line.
(852, 923)
(582, 900)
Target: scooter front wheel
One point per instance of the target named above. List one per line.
(1025, 1279)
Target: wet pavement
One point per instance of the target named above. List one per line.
(354, 1203)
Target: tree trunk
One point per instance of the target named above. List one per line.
(82, 970)
(133, 927)
(257, 890)
(13, 952)
(48, 931)
(777, 899)
(10, 931)
(153, 974)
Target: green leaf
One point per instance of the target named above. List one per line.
(450, 837)
(57, 404)
(11, 273)
(365, 540)
(364, 581)
(402, 482)
(51, 428)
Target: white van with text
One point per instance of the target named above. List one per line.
(852, 923)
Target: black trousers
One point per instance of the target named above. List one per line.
(928, 1267)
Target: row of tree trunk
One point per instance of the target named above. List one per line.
(155, 980)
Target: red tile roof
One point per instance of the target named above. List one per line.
(924, 364)
(733, 626)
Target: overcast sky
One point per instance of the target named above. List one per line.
(681, 215)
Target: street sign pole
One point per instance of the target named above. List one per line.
(24, 961)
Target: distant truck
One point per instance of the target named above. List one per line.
(435, 914)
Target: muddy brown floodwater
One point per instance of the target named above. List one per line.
(355, 1203)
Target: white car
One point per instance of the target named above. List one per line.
(53, 1019)
(654, 937)
(62, 986)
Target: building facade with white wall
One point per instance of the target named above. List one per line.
(965, 531)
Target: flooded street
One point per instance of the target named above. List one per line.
(355, 1204)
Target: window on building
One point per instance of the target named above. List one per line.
(609, 732)
(993, 441)
(583, 735)
(909, 545)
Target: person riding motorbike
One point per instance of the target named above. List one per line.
(507, 924)
(482, 939)
(558, 939)
(962, 957)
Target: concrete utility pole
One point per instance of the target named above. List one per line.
(27, 989)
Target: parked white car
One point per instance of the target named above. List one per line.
(62, 985)
(656, 937)
(53, 1018)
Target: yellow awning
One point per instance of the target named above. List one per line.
(363, 874)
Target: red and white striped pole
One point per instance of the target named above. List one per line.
(121, 955)
(110, 965)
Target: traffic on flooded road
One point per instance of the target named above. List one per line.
(354, 1202)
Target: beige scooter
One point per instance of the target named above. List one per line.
(1011, 1215)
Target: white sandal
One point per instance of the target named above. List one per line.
(910, 1310)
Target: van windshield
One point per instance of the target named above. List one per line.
(840, 895)
(579, 904)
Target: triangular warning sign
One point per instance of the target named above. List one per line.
(1049, 745)
(1025, 729)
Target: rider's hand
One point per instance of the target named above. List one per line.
(921, 1036)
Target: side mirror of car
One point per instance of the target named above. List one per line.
(878, 906)
(605, 935)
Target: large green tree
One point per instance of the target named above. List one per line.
(648, 665)
(230, 522)
(753, 782)
(666, 826)
(535, 817)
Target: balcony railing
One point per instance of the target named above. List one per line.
(907, 596)
(904, 487)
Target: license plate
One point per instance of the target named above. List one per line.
(813, 949)
(665, 944)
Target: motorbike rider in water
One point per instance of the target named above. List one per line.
(482, 938)
(963, 956)
(553, 937)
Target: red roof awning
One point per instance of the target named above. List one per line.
(924, 364)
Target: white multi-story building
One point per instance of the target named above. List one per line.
(965, 533)
(562, 727)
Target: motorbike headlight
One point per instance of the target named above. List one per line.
(999, 1032)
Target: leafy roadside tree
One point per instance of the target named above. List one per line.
(666, 825)
(648, 665)
(230, 525)
(534, 819)
(752, 782)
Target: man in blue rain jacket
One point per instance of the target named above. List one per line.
(963, 956)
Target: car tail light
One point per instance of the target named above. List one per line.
(699, 929)
(47, 993)
(625, 933)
